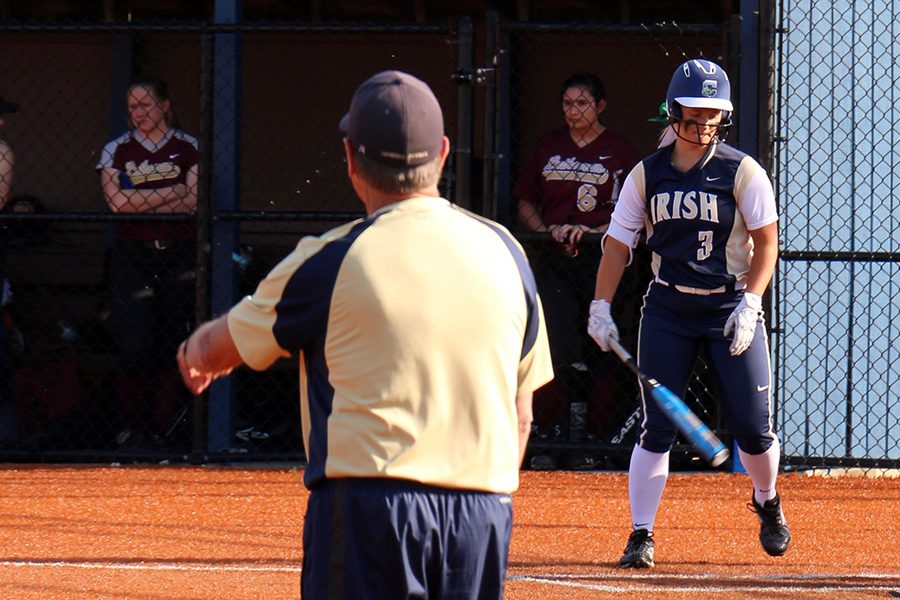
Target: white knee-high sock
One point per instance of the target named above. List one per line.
(763, 471)
(647, 476)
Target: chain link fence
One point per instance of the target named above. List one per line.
(91, 379)
(79, 381)
(838, 127)
(98, 297)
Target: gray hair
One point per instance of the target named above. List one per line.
(397, 180)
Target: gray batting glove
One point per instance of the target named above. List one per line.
(601, 326)
(743, 322)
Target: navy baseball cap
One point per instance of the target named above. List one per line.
(6, 106)
(395, 119)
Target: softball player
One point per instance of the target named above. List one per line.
(711, 222)
(568, 188)
(7, 156)
(151, 168)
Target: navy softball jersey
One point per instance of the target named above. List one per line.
(698, 227)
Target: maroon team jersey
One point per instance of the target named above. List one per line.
(142, 166)
(572, 185)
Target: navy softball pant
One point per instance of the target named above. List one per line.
(674, 327)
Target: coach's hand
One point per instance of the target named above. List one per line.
(743, 322)
(601, 326)
(196, 381)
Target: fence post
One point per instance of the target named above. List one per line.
(463, 143)
(749, 78)
(502, 157)
(747, 120)
(204, 219)
(226, 106)
(488, 196)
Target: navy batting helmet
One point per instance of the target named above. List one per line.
(700, 83)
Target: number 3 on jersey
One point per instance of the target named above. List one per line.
(705, 249)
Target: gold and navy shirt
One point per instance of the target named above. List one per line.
(416, 328)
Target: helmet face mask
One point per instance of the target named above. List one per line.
(701, 126)
(700, 83)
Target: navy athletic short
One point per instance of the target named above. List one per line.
(395, 539)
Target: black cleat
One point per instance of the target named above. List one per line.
(639, 551)
(774, 534)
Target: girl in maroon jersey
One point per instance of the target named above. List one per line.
(151, 168)
(568, 188)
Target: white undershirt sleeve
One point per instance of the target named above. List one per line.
(629, 213)
(754, 195)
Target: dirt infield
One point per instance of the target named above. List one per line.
(228, 533)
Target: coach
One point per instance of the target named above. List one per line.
(420, 338)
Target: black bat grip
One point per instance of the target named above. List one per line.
(623, 355)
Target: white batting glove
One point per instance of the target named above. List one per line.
(743, 321)
(601, 326)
